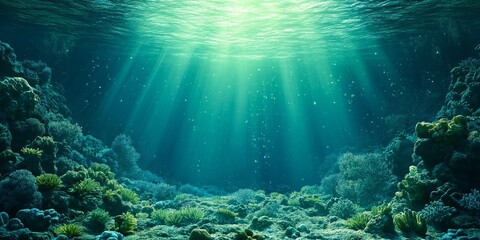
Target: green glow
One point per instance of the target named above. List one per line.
(243, 89)
(248, 28)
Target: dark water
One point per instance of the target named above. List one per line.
(242, 92)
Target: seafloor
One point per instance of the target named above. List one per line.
(57, 183)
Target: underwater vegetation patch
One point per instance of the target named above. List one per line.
(31, 152)
(98, 219)
(180, 217)
(443, 130)
(358, 221)
(86, 187)
(127, 223)
(410, 222)
(69, 230)
(48, 182)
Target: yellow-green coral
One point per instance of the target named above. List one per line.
(410, 222)
(178, 217)
(86, 187)
(100, 172)
(48, 181)
(128, 195)
(443, 130)
(359, 221)
(31, 152)
(415, 188)
(69, 230)
(128, 223)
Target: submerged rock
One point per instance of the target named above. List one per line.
(14, 224)
(110, 235)
(8, 61)
(18, 98)
(38, 220)
(200, 234)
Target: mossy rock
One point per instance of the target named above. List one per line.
(200, 234)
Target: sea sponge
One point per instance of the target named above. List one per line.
(18, 100)
(443, 130)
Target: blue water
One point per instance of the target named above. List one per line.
(241, 92)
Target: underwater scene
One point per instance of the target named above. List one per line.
(239, 119)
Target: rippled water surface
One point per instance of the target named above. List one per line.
(245, 28)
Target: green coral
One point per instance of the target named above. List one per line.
(31, 152)
(86, 187)
(359, 221)
(98, 219)
(48, 181)
(443, 130)
(384, 209)
(69, 230)
(410, 222)
(185, 216)
(415, 188)
(128, 195)
(127, 223)
(71, 177)
(180, 217)
(161, 215)
(100, 172)
(46, 144)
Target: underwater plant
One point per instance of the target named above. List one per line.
(100, 173)
(127, 223)
(365, 178)
(384, 209)
(410, 222)
(98, 219)
(69, 230)
(185, 216)
(48, 182)
(31, 152)
(343, 208)
(86, 187)
(161, 215)
(46, 144)
(443, 131)
(128, 195)
(415, 188)
(359, 221)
